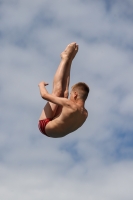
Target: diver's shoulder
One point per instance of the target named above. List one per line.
(73, 105)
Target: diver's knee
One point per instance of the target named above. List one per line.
(66, 94)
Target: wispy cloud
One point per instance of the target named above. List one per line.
(96, 161)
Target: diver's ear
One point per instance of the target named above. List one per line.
(75, 95)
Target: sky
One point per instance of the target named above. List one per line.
(96, 161)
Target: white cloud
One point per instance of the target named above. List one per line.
(96, 160)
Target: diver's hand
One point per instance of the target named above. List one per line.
(42, 83)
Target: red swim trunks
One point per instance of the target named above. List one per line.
(42, 124)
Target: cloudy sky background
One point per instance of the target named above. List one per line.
(96, 161)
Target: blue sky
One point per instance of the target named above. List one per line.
(96, 161)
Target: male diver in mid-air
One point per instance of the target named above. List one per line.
(61, 115)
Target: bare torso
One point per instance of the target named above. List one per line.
(70, 119)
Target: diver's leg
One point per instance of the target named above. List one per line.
(66, 79)
(61, 81)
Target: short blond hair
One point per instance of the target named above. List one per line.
(83, 90)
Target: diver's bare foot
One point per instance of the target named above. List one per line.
(70, 52)
(75, 51)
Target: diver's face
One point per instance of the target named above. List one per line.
(73, 95)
